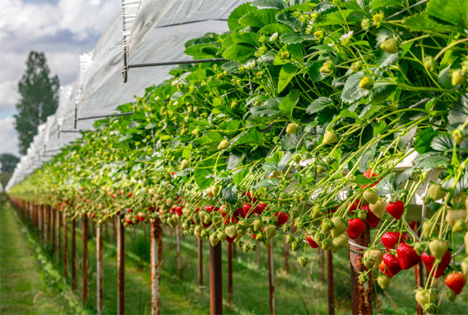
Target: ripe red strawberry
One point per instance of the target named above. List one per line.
(390, 239)
(230, 239)
(209, 208)
(311, 241)
(455, 281)
(130, 210)
(178, 210)
(355, 228)
(354, 206)
(260, 207)
(239, 213)
(369, 174)
(428, 261)
(396, 209)
(371, 219)
(246, 208)
(141, 216)
(385, 269)
(228, 219)
(392, 263)
(282, 218)
(251, 199)
(407, 256)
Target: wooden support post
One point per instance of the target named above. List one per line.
(99, 271)
(216, 280)
(200, 262)
(229, 275)
(53, 214)
(84, 237)
(330, 283)
(73, 253)
(59, 233)
(271, 278)
(286, 255)
(179, 262)
(65, 245)
(156, 262)
(120, 266)
(49, 224)
(361, 293)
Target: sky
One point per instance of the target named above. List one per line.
(62, 29)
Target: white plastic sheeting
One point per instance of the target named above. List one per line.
(150, 31)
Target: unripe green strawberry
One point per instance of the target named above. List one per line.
(223, 145)
(231, 231)
(246, 248)
(291, 128)
(341, 241)
(258, 224)
(303, 261)
(458, 136)
(290, 239)
(365, 83)
(435, 192)
(365, 24)
(285, 55)
(372, 258)
(438, 248)
(466, 242)
(253, 247)
(429, 63)
(318, 35)
(270, 231)
(429, 228)
(234, 104)
(378, 19)
(222, 236)
(455, 215)
(361, 215)
(214, 239)
(459, 226)
(329, 137)
(197, 231)
(424, 297)
(214, 190)
(464, 264)
(169, 202)
(184, 164)
(327, 225)
(326, 244)
(458, 77)
(378, 208)
(390, 46)
(238, 237)
(244, 224)
(297, 158)
(383, 281)
(340, 226)
(316, 211)
(371, 196)
(320, 169)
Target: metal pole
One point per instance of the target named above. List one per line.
(229, 270)
(179, 263)
(120, 266)
(200, 262)
(271, 278)
(65, 245)
(84, 236)
(361, 293)
(73, 254)
(99, 270)
(330, 283)
(216, 280)
(156, 262)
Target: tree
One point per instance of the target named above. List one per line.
(39, 98)
(8, 162)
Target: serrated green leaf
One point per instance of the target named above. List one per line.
(351, 91)
(444, 142)
(275, 28)
(229, 194)
(258, 18)
(319, 104)
(239, 53)
(422, 143)
(451, 11)
(430, 160)
(268, 183)
(423, 23)
(287, 73)
(288, 103)
(291, 38)
(237, 13)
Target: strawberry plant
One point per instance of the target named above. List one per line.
(328, 116)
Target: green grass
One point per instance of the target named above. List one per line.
(297, 292)
(24, 282)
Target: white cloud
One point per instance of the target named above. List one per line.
(8, 136)
(62, 29)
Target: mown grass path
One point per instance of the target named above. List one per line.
(22, 289)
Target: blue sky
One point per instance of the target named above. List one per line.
(62, 29)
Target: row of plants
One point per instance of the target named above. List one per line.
(307, 129)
